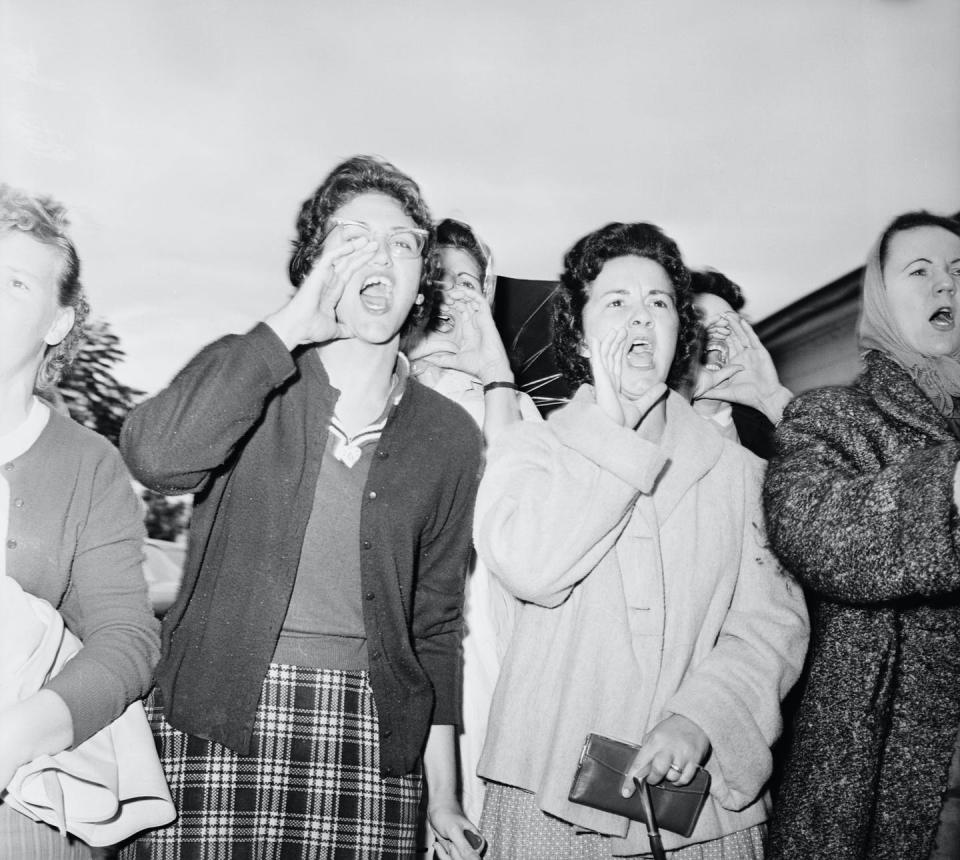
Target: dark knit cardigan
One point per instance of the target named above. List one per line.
(859, 502)
(244, 426)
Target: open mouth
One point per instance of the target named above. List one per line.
(942, 319)
(640, 354)
(715, 355)
(376, 294)
(444, 323)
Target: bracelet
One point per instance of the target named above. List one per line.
(502, 384)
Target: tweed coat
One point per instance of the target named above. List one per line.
(859, 502)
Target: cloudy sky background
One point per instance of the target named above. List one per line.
(772, 138)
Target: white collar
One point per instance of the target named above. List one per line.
(21, 438)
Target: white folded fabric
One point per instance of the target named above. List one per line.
(110, 786)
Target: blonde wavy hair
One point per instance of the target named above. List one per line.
(45, 220)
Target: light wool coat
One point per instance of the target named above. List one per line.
(649, 591)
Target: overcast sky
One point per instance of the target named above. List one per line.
(772, 139)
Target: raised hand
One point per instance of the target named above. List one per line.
(475, 344)
(750, 376)
(606, 365)
(311, 314)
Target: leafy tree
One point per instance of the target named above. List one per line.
(166, 519)
(98, 400)
(92, 394)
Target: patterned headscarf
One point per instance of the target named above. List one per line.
(937, 376)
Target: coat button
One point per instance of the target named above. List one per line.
(11, 544)
(372, 494)
(367, 544)
(387, 732)
(374, 655)
(381, 454)
(370, 595)
(9, 467)
(18, 502)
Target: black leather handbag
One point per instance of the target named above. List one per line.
(604, 763)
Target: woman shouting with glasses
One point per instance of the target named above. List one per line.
(311, 661)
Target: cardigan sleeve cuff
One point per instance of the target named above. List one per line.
(741, 761)
(88, 711)
(586, 428)
(271, 350)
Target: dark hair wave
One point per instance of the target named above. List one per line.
(582, 265)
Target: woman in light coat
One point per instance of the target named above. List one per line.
(653, 611)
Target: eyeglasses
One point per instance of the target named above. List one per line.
(462, 281)
(406, 243)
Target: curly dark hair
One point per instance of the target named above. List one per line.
(912, 220)
(45, 220)
(355, 176)
(582, 265)
(717, 284)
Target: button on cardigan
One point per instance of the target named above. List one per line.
(75, 539)
(243, 426)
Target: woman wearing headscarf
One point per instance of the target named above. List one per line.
(861, 501)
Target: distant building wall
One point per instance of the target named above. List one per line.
(813, 342)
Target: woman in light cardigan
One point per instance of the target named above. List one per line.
(653, 611)
(71, 526)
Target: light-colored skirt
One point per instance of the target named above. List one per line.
(517, 829)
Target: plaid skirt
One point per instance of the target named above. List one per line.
(310, 789)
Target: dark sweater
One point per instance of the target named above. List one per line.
(244, 426)
(859, 501)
